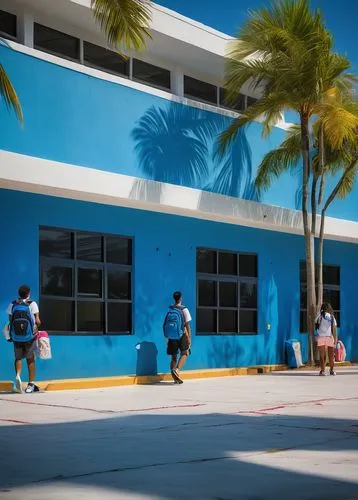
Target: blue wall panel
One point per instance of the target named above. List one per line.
(74, 118)
(164, 260)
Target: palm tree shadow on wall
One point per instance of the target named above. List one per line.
(177, 145)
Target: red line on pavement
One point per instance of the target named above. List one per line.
(52, 405)
(13, 421)
(263, 411)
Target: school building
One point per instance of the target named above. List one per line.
(112, 197)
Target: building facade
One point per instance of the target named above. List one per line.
(113, 197)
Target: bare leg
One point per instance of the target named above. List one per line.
(173, 362)
(182, 361)
(322, 357)
(18, 366)
(331, 357)
(31, 368)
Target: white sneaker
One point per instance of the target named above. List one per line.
(18, 384)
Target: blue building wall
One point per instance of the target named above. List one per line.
(156, 274)
(75, 118)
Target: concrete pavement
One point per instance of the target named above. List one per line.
(287, 434)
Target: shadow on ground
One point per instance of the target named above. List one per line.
(180, 456)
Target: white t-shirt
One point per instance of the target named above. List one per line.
(34, 309)
(325, 324)
(186, 315)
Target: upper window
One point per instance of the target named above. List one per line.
(8, 24)
(101, 58)
(226, 292)
(200, 90)
(251, 100)
(331, 292)
(238, 105)
(85, 282)
(56, 42)
(153, 75)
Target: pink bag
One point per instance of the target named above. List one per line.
(340, 354)
(43, 345)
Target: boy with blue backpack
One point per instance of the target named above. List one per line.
(177, 332)
(24, 321)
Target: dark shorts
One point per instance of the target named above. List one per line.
(24, 350)
(181, 345)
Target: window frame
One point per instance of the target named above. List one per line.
(76, 264)
(54, 53)
(89, 64)
(227, 278)
(334, 288)
(200, 99)
(8, 36)
(146, 82)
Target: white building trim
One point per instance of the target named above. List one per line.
(37, 175)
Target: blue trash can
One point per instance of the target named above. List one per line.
(294, 355)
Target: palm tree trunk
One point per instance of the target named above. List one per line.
(308, 235)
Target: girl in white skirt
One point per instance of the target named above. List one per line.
(326, 326)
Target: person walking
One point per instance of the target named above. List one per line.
(177, 331)
(326, 326)
(24, 321)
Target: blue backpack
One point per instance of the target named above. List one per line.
(174, 323)
(22, 324)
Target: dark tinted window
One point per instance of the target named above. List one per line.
(89, 247)
(226, 292)
(8, 24)
(206, 261)
(148, 73)
(207, 293)
(58, 315)
(56, 280)
(55, 243)
(248, 295)
(332, 297)
(206, 321)
(119, 250)
(227, 321)
(238, 104)
(248, 321)
(119, 317)
(101, 58)
(56, 42)
(89, 282)
(91, 270)
(90, 316)
(248, 265)
(251, 100)
(228, 263)
(119, 284)
(331, 275)
(200, 90)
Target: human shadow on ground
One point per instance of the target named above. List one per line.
(181, 455)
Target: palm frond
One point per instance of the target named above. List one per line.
(279, 160)
(348, 183)
(125, 22)
(9, 95)
(340, 126)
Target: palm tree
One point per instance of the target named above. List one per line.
(8, 93)
(125, 22)
(341, 161)
(286, 52)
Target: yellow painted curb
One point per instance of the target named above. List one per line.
(101, 382)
